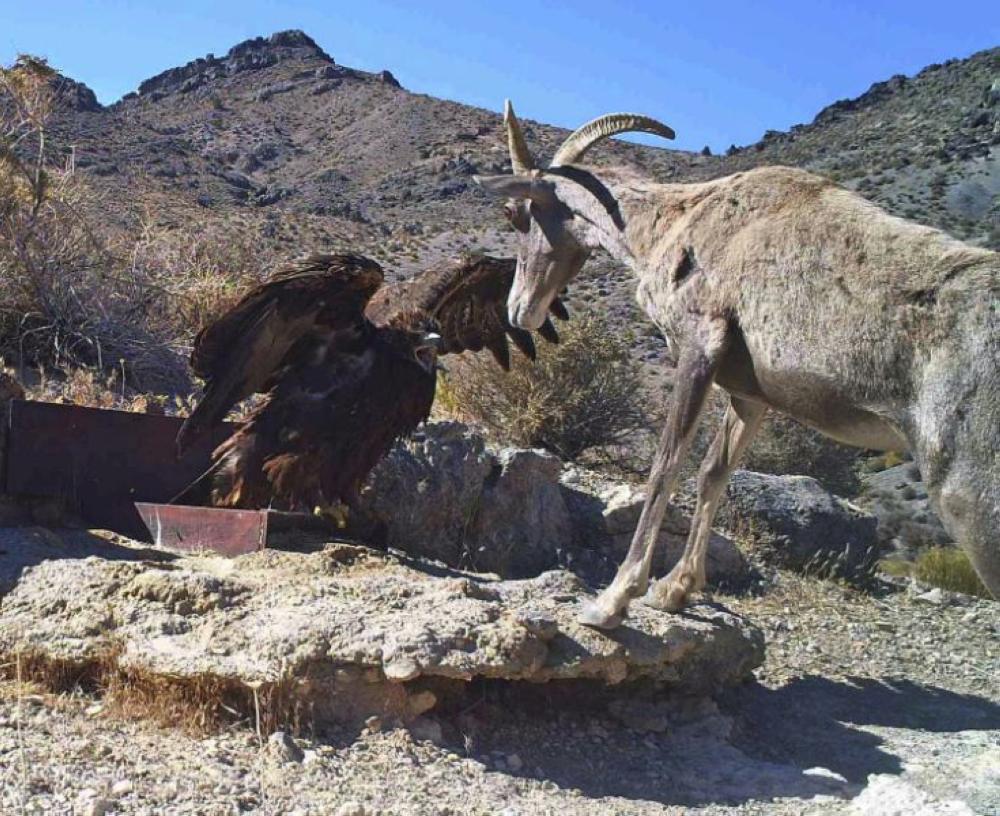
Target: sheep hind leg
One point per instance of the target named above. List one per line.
(695, 373)
(956, 440)
(964, 488)
(739, 426)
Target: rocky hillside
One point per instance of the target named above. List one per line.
(277, 127)
(277, 133)
(301, 153)
(924, 147)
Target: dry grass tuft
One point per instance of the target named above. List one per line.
(197, 271)
(945, 567)
(582, 395)
(197, 704)
(950, 569)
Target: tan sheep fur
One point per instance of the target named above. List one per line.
(790, 293)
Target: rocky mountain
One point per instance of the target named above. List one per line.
(277, 132)
(924, 147)
(309, 153)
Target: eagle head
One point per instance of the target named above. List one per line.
(414, 337)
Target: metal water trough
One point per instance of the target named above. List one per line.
(117, 470)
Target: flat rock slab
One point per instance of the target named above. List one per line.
(356, 623)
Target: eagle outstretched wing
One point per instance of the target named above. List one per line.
(303, 304)
(468, 300)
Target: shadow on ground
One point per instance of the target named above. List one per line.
(759, 746)
(808, 721)
(24, 547)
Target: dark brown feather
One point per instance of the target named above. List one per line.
(548, 331)
(301, 307)
(522, 339)
(341, 361)
(468, 299)
(558, 309)
(322, 429)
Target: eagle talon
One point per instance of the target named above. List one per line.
(337, 513)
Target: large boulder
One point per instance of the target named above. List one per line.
(725, 565)
(795, 522)
(443, 495)
(605, 514)
(522, 526)
(344, 632)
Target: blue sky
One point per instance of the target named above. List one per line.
(718, 73)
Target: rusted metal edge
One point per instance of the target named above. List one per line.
(118, 470)
(204, 529)
(227, 532)
(100, 462)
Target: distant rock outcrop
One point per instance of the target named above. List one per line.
(249, 55)
(75, 96)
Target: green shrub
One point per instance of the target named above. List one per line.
(950, 569)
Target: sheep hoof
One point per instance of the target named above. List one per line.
(591, 614)
(667, 597)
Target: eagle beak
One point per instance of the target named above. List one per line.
(427, 352)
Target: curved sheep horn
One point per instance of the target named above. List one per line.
(585, 137)
(520, 157)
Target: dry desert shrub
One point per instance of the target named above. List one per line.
(78, 293)
(581, 396)
(94, 389)
(63, 300)
(197, 272)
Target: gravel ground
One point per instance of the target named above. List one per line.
(903, 687)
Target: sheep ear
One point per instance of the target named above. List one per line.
(506, 186)
(531, 188)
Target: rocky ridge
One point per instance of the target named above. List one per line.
(276, 130)
(294, 152)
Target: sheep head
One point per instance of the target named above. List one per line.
(556, 210)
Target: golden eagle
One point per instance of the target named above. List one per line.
(348, 367)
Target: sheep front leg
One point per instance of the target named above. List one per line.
(739, 426)
(699, 360)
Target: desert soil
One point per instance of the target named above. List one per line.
(865, 705)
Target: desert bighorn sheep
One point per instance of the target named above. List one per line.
(790, 293)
